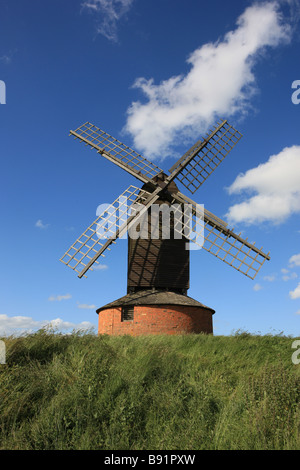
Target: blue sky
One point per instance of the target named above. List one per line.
(155, 75)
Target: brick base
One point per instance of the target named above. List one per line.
(156, 319)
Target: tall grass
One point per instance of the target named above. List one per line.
(183, 392)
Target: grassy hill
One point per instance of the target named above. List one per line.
(183, 392)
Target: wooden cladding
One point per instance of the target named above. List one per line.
(158, 263)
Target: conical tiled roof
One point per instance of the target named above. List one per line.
(154, 297)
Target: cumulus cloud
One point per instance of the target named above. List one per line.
(270, 278)
(39, 223)
(295, 260)
(62, 325)
(295, 294)
(21, 324)
(289, 276)
(6, 59)
(257, 287)
(109, 12)
(86, 306)
(274, 189)
(58, 298)
(220, 82)
(100, 267)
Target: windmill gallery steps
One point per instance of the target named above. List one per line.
(154, 312)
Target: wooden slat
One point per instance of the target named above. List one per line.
(116, 151)
(193, 169)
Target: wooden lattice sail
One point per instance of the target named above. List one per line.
(157, 262)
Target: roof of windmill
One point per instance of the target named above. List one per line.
(154, 297)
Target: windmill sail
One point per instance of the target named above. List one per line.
(117, 152)
(112, 223)
(198, 163)
(215, 237)
(86, 250)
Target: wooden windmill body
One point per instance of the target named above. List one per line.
(158, 266)
(158, 262)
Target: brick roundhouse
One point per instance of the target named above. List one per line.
(154, 312)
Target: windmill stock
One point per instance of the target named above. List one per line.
(158, 267)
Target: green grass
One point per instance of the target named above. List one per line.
(183, 392)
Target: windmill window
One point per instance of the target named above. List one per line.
(127, 313)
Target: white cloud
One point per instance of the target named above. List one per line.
(270, 278)
(21, 324)
(61, 325)
(41, 225)
(86, 306)
(109, 13)
(59, 297)
(289, 276)
(295, 260)
(220, 82)
(100, 267)
(17, 322)
(257, 287)
(6, 59)
(276, 188)
(295, 294)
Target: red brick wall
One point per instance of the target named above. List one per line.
(155, 319)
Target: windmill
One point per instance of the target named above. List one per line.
(158, 268)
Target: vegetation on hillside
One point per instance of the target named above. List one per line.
(184, 392)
